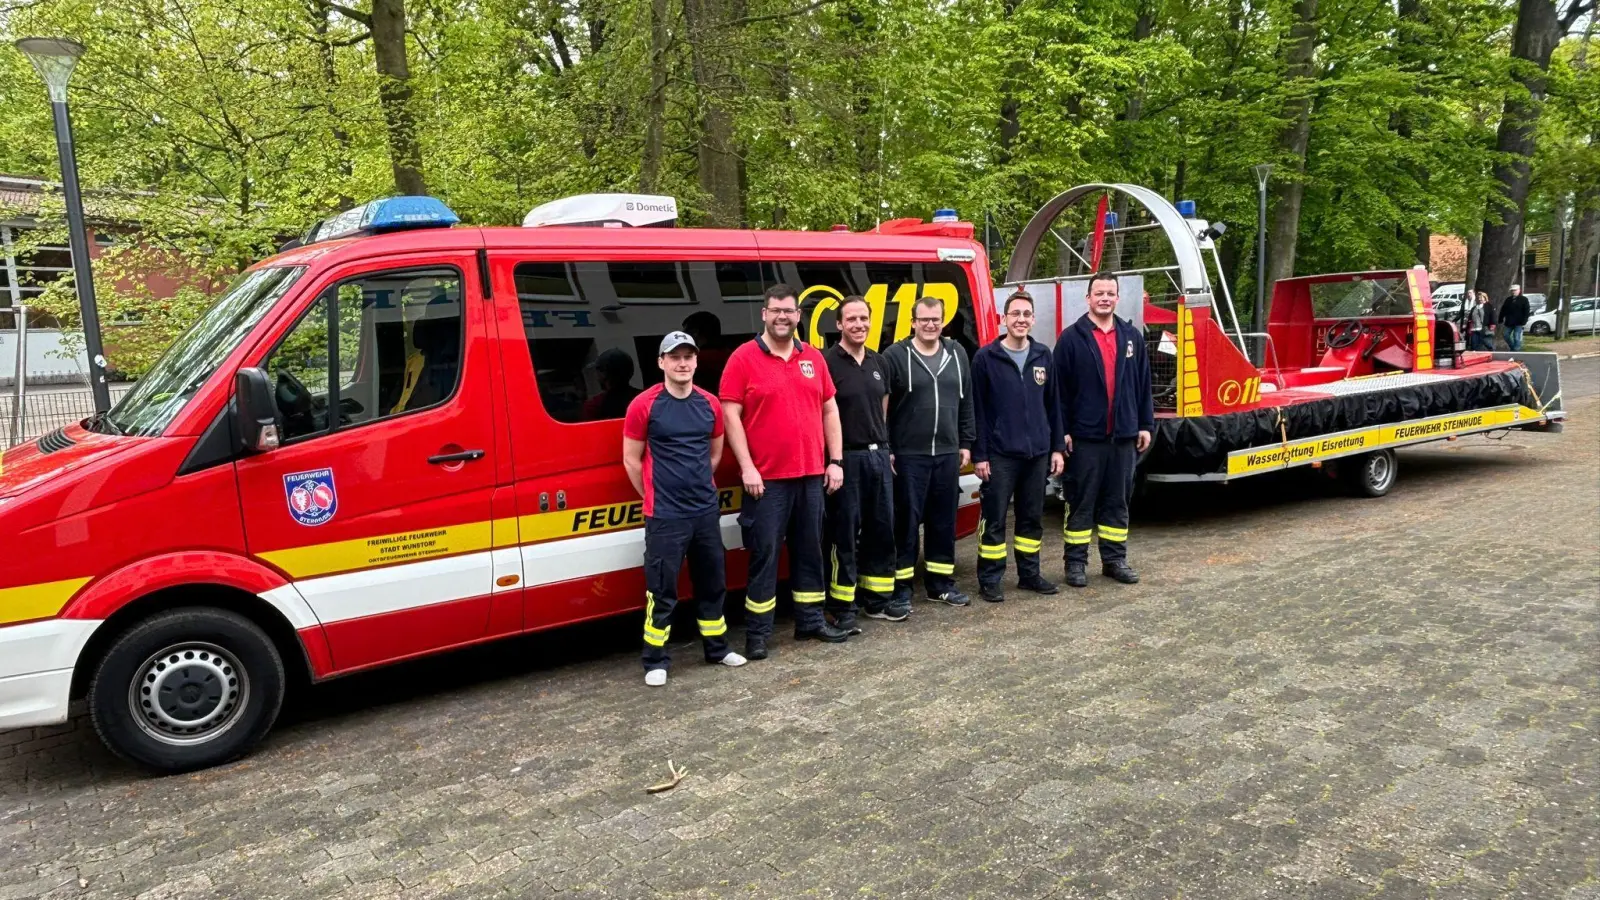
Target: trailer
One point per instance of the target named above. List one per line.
(1350, 365)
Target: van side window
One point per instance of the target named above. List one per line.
(593, 328)
(396, 347)
(890, 286)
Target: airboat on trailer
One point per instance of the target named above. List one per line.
(1350, 367)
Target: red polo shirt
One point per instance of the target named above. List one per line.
(1107, 342)
(782, 401)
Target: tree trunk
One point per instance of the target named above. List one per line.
(320, 23)
(1537, 33)
(1474, 250)
(394, 94)
(1586, 245)
(711, 62)
(1010, 106)
(1284, 230)
(656, 103)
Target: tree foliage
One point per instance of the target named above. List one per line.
(245, 122)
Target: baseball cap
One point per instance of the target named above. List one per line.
(677, 339)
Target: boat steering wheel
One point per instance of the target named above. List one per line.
(1345, 333)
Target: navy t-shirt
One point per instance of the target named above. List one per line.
(677, 456)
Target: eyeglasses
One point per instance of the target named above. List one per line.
(782, 311)
(1020, 314)
(935, 320)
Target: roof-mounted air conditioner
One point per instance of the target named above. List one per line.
(606, 210)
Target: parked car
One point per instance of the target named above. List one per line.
(1582, 318)
(1449, 292)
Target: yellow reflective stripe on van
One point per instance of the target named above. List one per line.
(37, 601)
(364, 553)
(470, 537)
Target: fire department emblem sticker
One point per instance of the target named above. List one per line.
(311, 496)
(807, 369)
(1038, 375)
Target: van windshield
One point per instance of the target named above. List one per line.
(156, 399)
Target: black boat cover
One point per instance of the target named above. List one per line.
(1199, 445)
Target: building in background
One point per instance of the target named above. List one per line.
(26, 267)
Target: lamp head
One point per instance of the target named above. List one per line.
(53, 59)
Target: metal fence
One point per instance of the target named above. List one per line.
(46, 409)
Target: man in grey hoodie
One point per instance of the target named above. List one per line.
(931, 429)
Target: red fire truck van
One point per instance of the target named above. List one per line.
(397, 437)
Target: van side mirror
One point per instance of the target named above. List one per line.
(257, 411)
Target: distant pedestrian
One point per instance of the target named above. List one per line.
(1480, 330)
(1514, 313)
(1019, 444)
(671, 443)
(1103, 372)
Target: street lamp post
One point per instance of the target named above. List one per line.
(1256, 323)
(53, 59)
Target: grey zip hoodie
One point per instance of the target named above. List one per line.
(930, 400)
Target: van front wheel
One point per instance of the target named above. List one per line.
(187, 689)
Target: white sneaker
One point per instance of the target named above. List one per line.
(655, 677)
(733, 659)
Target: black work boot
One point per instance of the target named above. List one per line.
(1120, 571)
(1077, 575)
(825, 633)
(1037, 584)
(991, 593)
(755, 649)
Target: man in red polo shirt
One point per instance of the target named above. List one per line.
(780, 415)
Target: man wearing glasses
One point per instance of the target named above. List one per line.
(931, 430)
(1019, 442)
(780, 415)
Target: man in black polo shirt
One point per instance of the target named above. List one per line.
(860, 532)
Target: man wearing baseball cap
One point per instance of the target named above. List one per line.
(671, 444)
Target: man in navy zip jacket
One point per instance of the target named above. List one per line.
(1108, 412)
(1019, 442)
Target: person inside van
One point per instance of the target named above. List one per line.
(615, 368)
(706, 329)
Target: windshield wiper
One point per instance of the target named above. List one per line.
(101, 422)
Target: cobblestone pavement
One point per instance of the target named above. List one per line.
(1309, 696)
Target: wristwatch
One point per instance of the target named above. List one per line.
(836, 462)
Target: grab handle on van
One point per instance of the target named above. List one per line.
(258, 413)
(463, 456)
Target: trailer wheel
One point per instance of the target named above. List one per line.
(1372, 474)
(187, 689)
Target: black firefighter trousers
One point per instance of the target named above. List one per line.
(926, 493)
(1022, 479)
(789, 509)
(860, 536)
(1099, 486)
(666, 543)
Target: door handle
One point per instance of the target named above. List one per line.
(447, 458)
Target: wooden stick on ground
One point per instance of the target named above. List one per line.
(677, 776)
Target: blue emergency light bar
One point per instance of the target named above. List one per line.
(388, 214)
(1186, 208)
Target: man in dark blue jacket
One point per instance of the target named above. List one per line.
(1019, 443)
(1103, 381)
